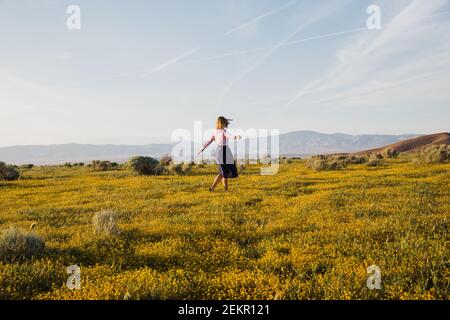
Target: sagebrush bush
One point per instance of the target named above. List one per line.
(357, 159)
(186, 168)
(316, 164)
(144, 165)
(433, 155)
(102, 165)
(375, 160)
(320, 163)
(178, 169)
(172, 169)
(8, 173)
(166, 160)
(105, 222)
(379, 156)
(334, 162)
(17, 245)
(159, 170)
(266, 159)
(389, 153)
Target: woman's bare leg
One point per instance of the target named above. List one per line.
(225, 183)
(216, 182)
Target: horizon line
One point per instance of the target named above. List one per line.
(169, 143)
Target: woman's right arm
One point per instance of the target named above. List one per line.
(232, 136)
(206, 145)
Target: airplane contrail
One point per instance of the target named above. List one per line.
(170, 62)
(254, 20)
(382, 87)
(288, 43)
(346, 96)
(141, 72)
(307, 89)
(176, 61)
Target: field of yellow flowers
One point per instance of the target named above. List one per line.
(299, 234)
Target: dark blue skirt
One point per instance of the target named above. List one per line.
(227, 170)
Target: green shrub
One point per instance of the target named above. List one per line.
(375, 160)
(105, 222)
(8, 173)
(159, 169)
(285, 160)
(389, 153)
(357, 159)
(166, 160)
(144, 165)
(186, 168)
(316, 164)
(173, 169)
(17, 245)
(321, 162)
(102, 165)
(334, 162)
(433, 155)
(379, 156)
(266, 159)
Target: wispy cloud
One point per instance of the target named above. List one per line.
(371, 56)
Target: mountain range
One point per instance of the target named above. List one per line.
(298, 143)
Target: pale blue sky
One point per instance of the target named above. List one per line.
(139, 69)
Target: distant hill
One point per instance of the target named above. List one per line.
(414, 144)
(299, 143)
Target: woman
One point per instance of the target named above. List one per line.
(224, 158)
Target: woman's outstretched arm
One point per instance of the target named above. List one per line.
(206, 145)
(232, 136)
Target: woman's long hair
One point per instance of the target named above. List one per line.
(222, 123)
